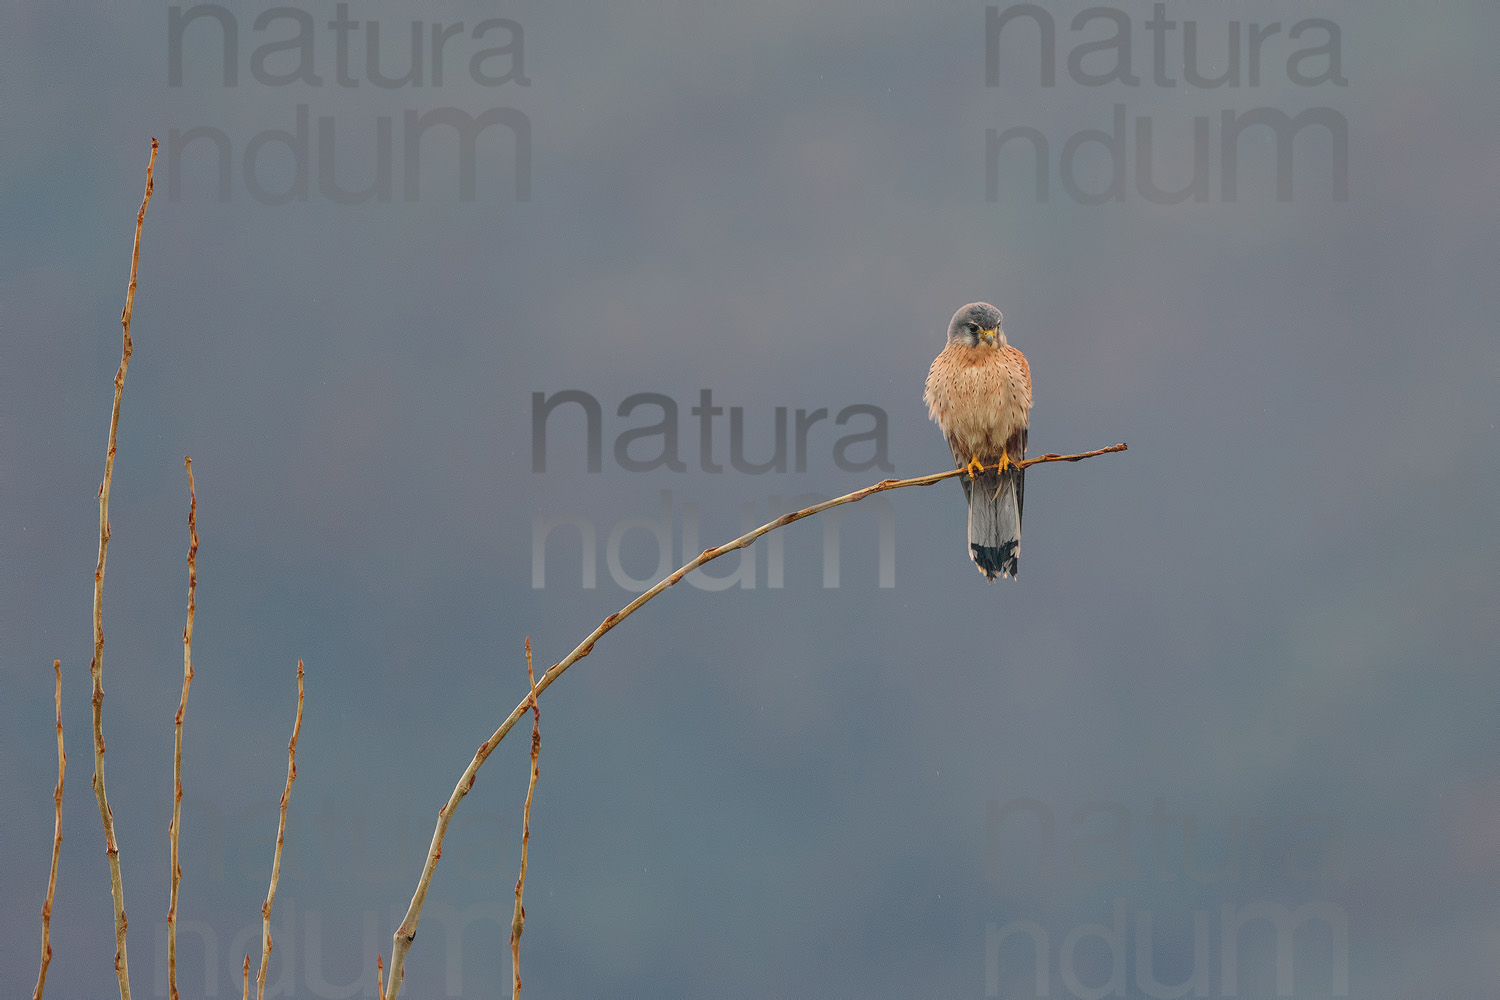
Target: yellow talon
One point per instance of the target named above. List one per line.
(975, 467)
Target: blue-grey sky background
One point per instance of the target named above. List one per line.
(1249, 663)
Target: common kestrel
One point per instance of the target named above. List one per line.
(979, 392)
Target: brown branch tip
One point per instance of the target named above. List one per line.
(96, 666)
(518, 918)
(62, 768)
(286, 798)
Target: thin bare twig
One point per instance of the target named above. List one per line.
(379, 971)
(518, 918)
(62, 767)
(96, 667)
(286, 797)
(407, 931)
(246, 974)
(174, 829)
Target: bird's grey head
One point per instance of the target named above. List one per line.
(977, 323)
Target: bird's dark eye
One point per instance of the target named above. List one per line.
(973, 327)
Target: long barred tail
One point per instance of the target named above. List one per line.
(995, 521)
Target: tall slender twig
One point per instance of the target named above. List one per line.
(174, 829)
(245, 971)
(62, 768)
(407, 931)
(96, 667)
(286, 797)
(518, 918)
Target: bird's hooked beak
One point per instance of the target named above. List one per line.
(990, 336)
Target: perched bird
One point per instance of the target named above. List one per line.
(979, 392)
